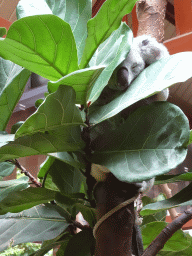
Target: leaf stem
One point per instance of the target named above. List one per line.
(28, 174)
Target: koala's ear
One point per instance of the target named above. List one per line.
(122, 78)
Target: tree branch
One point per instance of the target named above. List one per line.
(159, 242)
(28, 174)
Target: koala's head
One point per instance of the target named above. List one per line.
(130, 68)
(150, 49)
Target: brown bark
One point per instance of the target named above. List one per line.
(166, 233)
(114, 235)
(151, 15)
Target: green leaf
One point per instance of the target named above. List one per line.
(110, 53)
(177, 242)
(74, 159)
(180, 199)
(52, 59)
(39, 223)
(77, 15)
(66, 177)
(159, 216)
(80, 80)
(13, 79)
(3, 31)
(32, 7)
(190, 138)
(6, 169)
(5, 138)
(74, 12)
(68, 139)
(152, 141)
(82, 244)
(50, 244)
(58, 111)
(12, 186)
(25, 199)
(103, 24)
(44, 167)
(163, 179)
(89, 214)
(38, 102)
(152, 80)
(16, 126)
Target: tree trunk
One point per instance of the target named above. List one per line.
(151, 15)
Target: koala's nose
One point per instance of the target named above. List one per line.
(122, 78)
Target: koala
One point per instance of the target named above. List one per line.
(144, 51)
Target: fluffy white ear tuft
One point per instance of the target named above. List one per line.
(147, 185)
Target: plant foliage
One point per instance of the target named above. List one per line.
(59, 41)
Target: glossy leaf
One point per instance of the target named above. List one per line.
(65, 157)
(39, 223)
(82, 244)
(6, 169)
(52, 59)
(58, 111)
(11, 187)
(153, 79)
(177, 242)
(25, 199)
(74, 159)
(50, 244)
(152, 141)
(163, 179)
(3, 32)
(74, 12)
(159, 216)
(81, 81)
(13, 79)
(190, 139)
(180, 199)
(5, 138)
(68, 139)
(110, 53)
(103, 24)
(32, 7)
(67, 178)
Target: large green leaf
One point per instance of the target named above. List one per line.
(155, 78)
(82, 244)
(152, 141)
(13, 79)
(177, 242)
(11, 187)
(66, 177)
(58, 111)
(68, 139)
(44, 44)
(80, 80)
(6, 169)
(110, 53)
(18, 201)
(39, 223)
(184, 197)
(103, 24)
(74, 12)
(68, 158)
